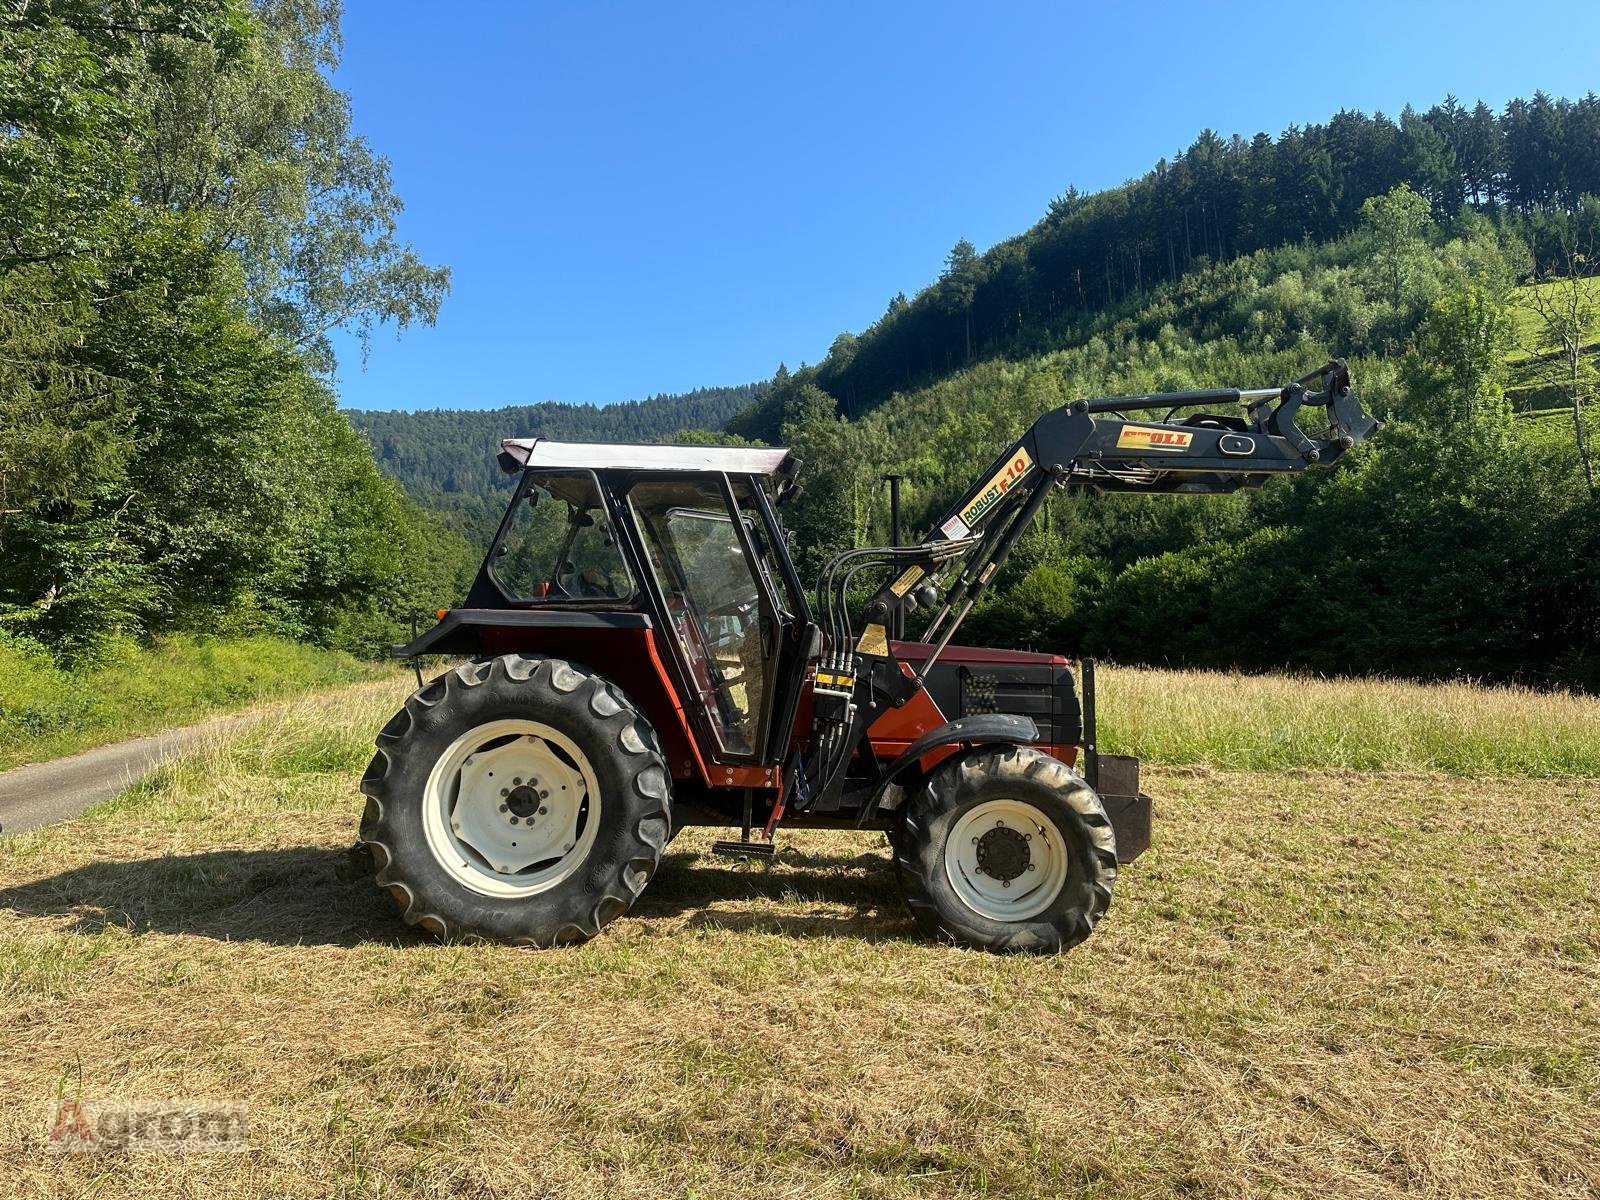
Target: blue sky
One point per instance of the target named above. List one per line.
(643, 198)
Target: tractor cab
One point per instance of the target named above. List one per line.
(667, 569)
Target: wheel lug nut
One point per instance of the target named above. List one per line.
(517, 782)
(543, 810)
(1030, 866)
(544, 795)
(505, 808)
(1005, 883)
(513, 820)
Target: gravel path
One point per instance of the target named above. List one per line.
(40, 793)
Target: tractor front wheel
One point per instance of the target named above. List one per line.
(521, 799)
(1006, 849)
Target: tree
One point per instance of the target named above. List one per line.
(266, 149)
(1460, 355)
(1565, 305)
(184, 213)
(1478, 154)
(958, 286)
(1430, 158)
(1395, 224)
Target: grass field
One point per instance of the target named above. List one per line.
(46, 712)
(1319, 983)
(1270, 723)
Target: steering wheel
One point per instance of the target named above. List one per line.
(589, 583)
(734, 608)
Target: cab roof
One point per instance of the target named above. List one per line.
(517, 453)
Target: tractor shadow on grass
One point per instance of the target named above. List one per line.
(311, 896)
(798, 895)
(294, 896)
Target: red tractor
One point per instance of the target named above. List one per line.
(641, 655)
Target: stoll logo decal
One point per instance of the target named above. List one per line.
(1142, 437)
(77, 1126)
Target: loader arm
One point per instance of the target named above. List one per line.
(1092, 444)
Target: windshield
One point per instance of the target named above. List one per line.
(558, 544)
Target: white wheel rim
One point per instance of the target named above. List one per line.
(511, 808)
(1006, 860)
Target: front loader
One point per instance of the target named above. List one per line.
(640, 655)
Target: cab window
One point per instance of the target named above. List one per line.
(558, 545)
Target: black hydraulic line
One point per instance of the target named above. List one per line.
(825, 605)
(836, 606)
(841, 600)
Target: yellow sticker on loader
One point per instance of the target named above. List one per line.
(1142, 437)
(907, 581)
(1006, 478)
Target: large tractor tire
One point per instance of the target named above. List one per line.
(1006, 849)
(523, 800)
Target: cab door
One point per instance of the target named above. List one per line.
(717, 603)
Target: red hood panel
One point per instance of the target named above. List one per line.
(916, 652)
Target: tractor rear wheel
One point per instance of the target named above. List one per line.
(1006, 849)
(521, 799)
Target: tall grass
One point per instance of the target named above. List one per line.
(1275, 722)
(46, 712)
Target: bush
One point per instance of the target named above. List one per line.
(1048, 610)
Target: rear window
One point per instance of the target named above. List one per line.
(558, 546)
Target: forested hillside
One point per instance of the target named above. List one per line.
(1449, 255)
(185, 215)
(1463, 541)
(1529, 166)
(445, 458)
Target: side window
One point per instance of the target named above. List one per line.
(558, 545)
